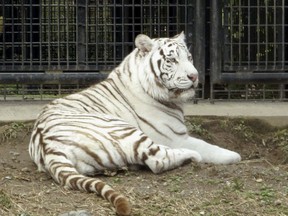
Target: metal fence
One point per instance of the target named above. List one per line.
(50, 48)
(92, 35)
(74, 41)
(249, 44)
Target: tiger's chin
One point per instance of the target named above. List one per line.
(182, 95)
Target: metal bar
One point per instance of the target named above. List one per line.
(141, 16)
(263, 89)
(40, 34)
(274, 34)
(58, 33)
(86, 60)
(283, 34)
(23, 78)
(258, 35)
(13, 36)
(67, 33)
(254, 78)
(5, 92)
(97, 33)
(81, 23)
(23, 95)
(158, 19)
(151, 21)
(227, 39)
(200, 38)
(114, 34)
(30, 32)
(49, 32)
(41, 91)
(249, 35)
(215, 41)
(256, 68)
(266, 34)
(123, 28)
(246, 91)
(178, 15)
(231, 35)
(3, 34)
(167, 20)
(240, 25)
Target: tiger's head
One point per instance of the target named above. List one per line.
(168, 72)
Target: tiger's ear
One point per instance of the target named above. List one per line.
(180, 37)
(143, 43)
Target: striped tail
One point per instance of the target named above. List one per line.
(66, 175)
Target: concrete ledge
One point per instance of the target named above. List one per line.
(20, 110)
(274, 112)
(252, 109)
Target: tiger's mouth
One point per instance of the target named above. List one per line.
(178, 91)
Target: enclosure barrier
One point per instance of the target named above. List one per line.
(240, 47)
(249, 45)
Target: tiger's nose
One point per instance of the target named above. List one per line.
(192, 77)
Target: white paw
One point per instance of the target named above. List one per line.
(222, 156)
(230, 158)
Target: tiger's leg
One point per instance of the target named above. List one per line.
(211, 153)
(158, 158)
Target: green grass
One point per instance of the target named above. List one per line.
(5, 201)
(280, 139)
(195, 126)
(11, 130)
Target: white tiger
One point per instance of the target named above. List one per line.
(134, 117)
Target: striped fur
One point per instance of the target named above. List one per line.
(134, 117)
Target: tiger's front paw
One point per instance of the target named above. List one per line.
(222, 156)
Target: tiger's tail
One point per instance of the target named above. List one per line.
(65, 173)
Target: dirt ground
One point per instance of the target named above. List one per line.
(256, 186)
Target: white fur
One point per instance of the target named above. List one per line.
(137, 97)
(146, 102)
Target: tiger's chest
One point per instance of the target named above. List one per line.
(162, 125)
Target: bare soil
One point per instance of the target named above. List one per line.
(256, 186)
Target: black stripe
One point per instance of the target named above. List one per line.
(152, 67)
(81, 103)
(153, 151)
(136, 146)
(100, 105)
(152, 126)
(83, 148)
(175, 132)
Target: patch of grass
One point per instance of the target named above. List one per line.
(280, 139)
(239, 127)
(24, 214)
(5, 201)
(117, 180)
(174, 183)
(259, 126)
(195, 126)
(11, 131)
(243, 130)
(237, 184)
(176, 179)
(267, 194)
